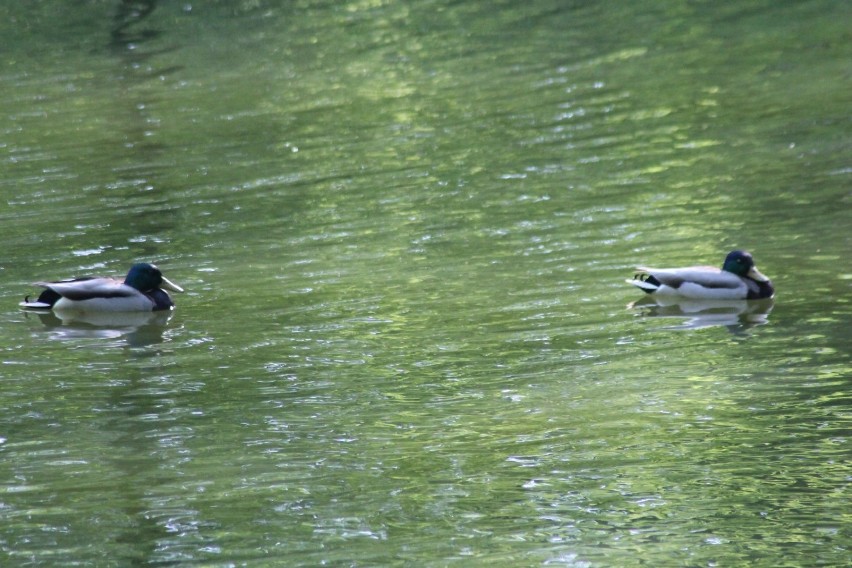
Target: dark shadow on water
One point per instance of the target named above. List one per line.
(138, 414)
(132, 42)
(737, 315)
(138, 41)
(128, 15)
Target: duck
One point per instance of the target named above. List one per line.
(738, 279)
(143, 290)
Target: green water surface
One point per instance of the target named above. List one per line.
(404, 229)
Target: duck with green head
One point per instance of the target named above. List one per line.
(143, 290)
(738, 279)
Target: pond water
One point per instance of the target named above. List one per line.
(404, 230)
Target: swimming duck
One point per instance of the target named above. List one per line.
(738, 279)
(141, 291)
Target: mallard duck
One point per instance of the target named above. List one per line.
(738, 279)
(141, 291)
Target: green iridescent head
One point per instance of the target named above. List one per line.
(741, 263)
(145, 277)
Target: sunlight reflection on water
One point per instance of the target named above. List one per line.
(404, 337)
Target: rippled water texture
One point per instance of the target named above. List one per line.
(404, 230)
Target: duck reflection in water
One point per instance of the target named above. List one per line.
(736, 315)
(138, 329)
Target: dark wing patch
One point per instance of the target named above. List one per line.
(720, 285)
(80, 295)
(669, 280)
(711, 279)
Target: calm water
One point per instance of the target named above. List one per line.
(403, 229)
